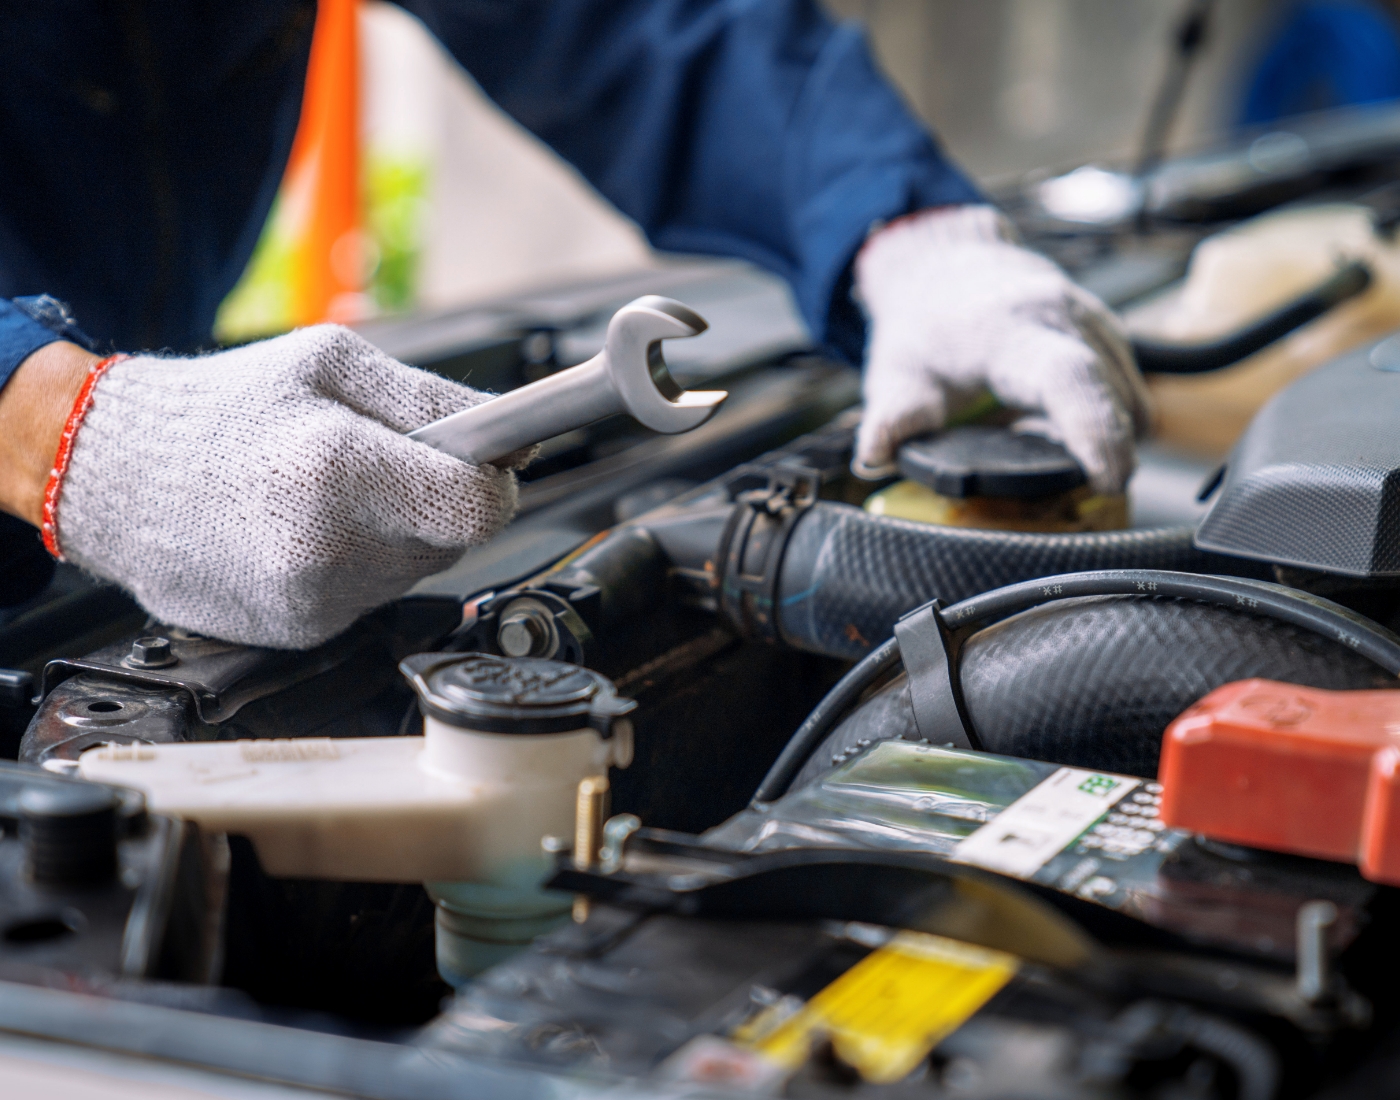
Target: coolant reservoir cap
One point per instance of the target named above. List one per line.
(480, 691)
(978, 461)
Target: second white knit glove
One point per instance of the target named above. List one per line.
(957, 309)
(266, 495)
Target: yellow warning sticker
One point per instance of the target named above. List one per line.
(887, 1012)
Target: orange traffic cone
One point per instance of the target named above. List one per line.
(321, 188)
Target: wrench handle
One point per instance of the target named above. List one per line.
(569, 399)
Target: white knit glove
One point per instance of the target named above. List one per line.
(956, 308)
(266, 495)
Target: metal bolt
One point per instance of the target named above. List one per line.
(524, 633)
(1314, 972)
(150, 652)
(590, 809)
(616, 833)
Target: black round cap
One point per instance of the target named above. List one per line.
(990, 462)
(481, 691)
(69, 832)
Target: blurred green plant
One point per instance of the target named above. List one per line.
(396, 205)
(260, 304)
(396, 194)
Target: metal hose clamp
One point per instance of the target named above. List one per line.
(752, 547)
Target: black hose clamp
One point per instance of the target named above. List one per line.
(752, 547)
(931, 651)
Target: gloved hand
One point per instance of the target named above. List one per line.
(957, 309)
(266, 495)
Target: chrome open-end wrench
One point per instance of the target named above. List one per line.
(629, 375)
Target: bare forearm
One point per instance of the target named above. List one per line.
(33, 408)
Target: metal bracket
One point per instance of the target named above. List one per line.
(930, 652)
(557, 631)
(218, 677)
(752, 546)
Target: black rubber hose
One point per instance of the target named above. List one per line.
(1094, 676)
(828, 712)
(1263, 598)
(1251, 1060)
(847, 575)
(1094, 682)
(626, 566)
(1154, 357)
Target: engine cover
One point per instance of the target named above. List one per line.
(1315, 481)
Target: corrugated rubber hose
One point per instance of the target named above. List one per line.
(1094, 680)
(846, 576)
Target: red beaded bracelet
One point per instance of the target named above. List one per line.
(65, 452)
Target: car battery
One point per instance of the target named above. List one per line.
(849, 936)
(1290, 769)
(827, 1008)
(1096, 836)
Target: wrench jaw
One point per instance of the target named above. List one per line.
(674, 309)
(629, 375)
(638, 369)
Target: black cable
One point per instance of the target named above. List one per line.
(823, 718)
(1275, 601)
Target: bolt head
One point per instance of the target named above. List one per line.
(523, 634)
(150, 652)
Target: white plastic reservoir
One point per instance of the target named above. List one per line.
(462, 808)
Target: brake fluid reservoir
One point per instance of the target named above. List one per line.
(462, 808)
(533, 727)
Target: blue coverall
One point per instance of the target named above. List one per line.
(1326, 54)
(143, 142)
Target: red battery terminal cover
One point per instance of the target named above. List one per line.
(1292, 769)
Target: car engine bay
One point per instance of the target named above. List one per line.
(723, 770)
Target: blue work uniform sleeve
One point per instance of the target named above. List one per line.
(26, 325)
(1327, 54)
(30, 323)
(20, 336)
(750, 128)
(24, 566)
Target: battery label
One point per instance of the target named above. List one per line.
(1043, 822)
(887, 1012)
